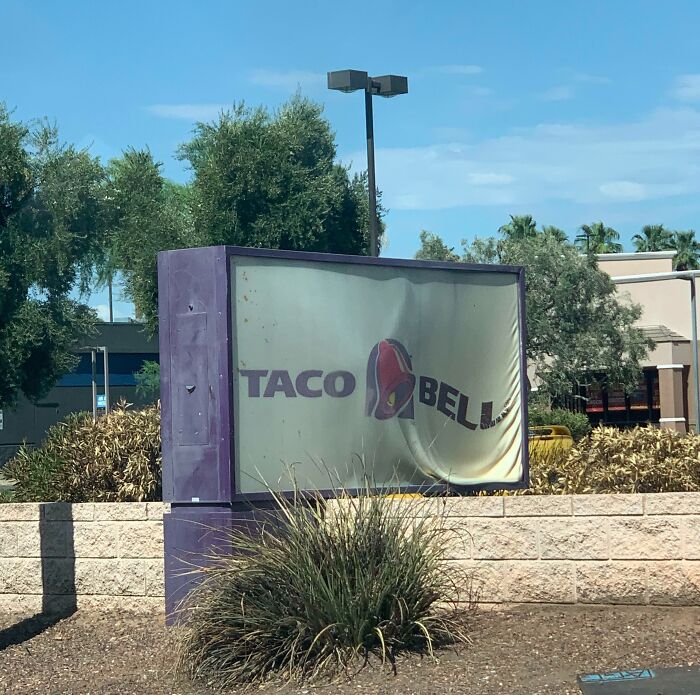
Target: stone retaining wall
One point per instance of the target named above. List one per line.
(105, 555)
(635, 549)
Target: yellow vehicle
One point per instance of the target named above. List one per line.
(544, 439)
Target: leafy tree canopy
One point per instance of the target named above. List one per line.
(654, 237)
(687, 250)
(433, 248)
(577, 325)
(598, 238)
(49, 225)
(259, 179)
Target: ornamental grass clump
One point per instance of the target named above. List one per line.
(321, 591)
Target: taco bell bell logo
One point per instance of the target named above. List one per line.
(390, 381)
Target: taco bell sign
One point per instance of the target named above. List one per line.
(329, 366)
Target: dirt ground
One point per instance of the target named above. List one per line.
(518, 651)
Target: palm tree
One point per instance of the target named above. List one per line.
(555, 233)
(597, 238)
(519, 227)
(687, 251)
(653, 238)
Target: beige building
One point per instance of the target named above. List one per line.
(665, 395)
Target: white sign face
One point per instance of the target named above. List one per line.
(412, 374)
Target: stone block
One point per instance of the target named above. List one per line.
(573, 539)
(154, 578)
(110, 577)
(65, 511)
(43, 538)
(155, 510)
(59, 576)
(504, 539)
(672, 503)
(690, 529)
(8, 539)
(140, 539)
(59, 604)
(611, 582)
(120, 511)
(608, 505)
(538, 505)
(524, 581)
(123, 604)
(20, 511)
(95, 539)
(644, 538)
(410, 506)
(454, 536)
(21, 605)
(674, 583)
(20, 576)
(473, 506)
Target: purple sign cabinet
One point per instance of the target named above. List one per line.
(197, 427)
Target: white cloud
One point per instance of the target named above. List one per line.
(561, 93)
(687, 88)
(624, 190)
(187, 112)
(459, 69)
(652, 159)
(288, 80)
(489, 178)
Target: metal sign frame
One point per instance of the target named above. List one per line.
(196, 335)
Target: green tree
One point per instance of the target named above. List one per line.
(687, 251)
(577, 326)
(50, 197)
(597, 238)
(433, 248)
(654, 237)
(148, 381)
(519, 227)
(143, 214)
(259, 179)
(556, 233)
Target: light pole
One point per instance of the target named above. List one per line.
(383, 86)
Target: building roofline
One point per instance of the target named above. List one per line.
(638, 256)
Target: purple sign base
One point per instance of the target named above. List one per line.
(193, 533)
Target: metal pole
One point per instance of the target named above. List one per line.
(373, 244)
(109, 289)
(694, 330)
(93, 357)
(105, 354)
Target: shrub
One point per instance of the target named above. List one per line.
(578, 423)
(115, 459)
(643, 459)
(367, 578)
(148, 381)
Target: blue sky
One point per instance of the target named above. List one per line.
(572, 112)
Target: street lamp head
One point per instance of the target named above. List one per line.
(389, 85)
(347, 80)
